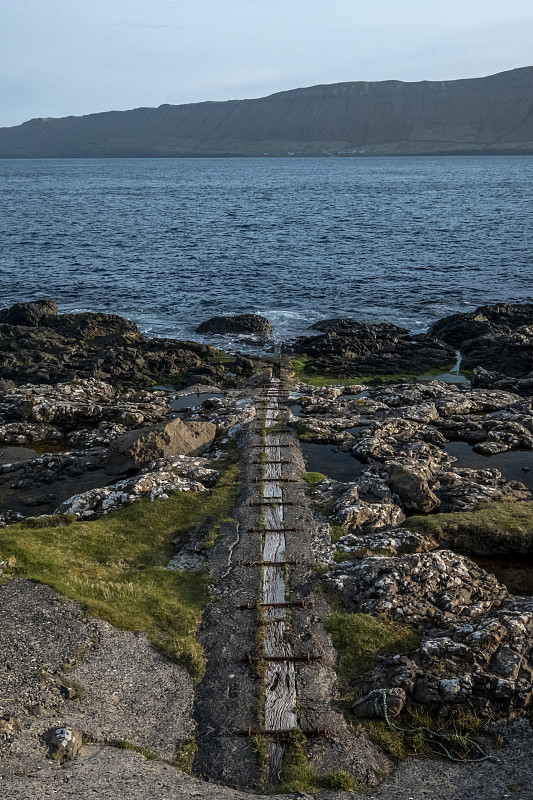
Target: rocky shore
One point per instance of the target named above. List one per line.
(94, 416)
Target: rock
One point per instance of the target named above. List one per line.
(363, 516)
(412, 489)
(488, 662)
(50, 348)
(137, 448)
(179, 473)
(379, 349)
(241, 323)
(28, 314)
(509, 353)
(374, 704)
(63, 743)
(423, 587)
(349, 325)
(501, 317)
(392, 541)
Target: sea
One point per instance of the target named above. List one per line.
(169, 243)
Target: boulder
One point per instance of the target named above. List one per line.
(137, 448)
(380, 349)
(63, 743)
(500, 317)
(375, 703)
(241, 323)
(28, 314)
(412, 489)
(348, 325)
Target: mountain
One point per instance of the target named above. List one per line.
(491, 115)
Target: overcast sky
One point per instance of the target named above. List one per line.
(60, 57)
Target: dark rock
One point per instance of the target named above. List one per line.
(509, 353)
(241, 323)
(28, 314)
(139, 447)
(499, 318)
(348, 325)
(379, 349)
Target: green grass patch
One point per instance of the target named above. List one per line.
(314, 477)
(490, 529)
(185, 754)
(337, 532)
(305, 375)
(298, 776)
(123, 744)
(359, 638)
(116, 565)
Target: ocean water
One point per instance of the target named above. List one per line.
(171, 242)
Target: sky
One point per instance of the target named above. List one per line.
(62, 57)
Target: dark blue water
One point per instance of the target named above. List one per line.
(169, 243)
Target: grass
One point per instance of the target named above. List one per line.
(116, 565)
(298, 776)
(314, 477)
(411, 740)
(123, 744)
(492, 528)
(359, 638)
(185, 754)
(298, 365)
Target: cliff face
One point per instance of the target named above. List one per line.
(480, 115)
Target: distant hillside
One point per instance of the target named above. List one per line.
(480, 115)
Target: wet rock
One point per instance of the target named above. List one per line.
(490, 379)
(241, 323)
(137, 448)
(500, 317)
(510, 353)
(63, 743)
(105, 347)
(28, 314)
(349, 325)
(412, 489)
(372, 350)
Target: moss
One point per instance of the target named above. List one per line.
(494, 527)
(123, 744)
(319, 380)
(185, 754)
(337, 532)
(116, 565)
(314, 477)
(299, 776)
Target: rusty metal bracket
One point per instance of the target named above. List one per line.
(286, 732)
(308, 658)
(274, 503)
(271, 563)
(287, 604)
(275, 530)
